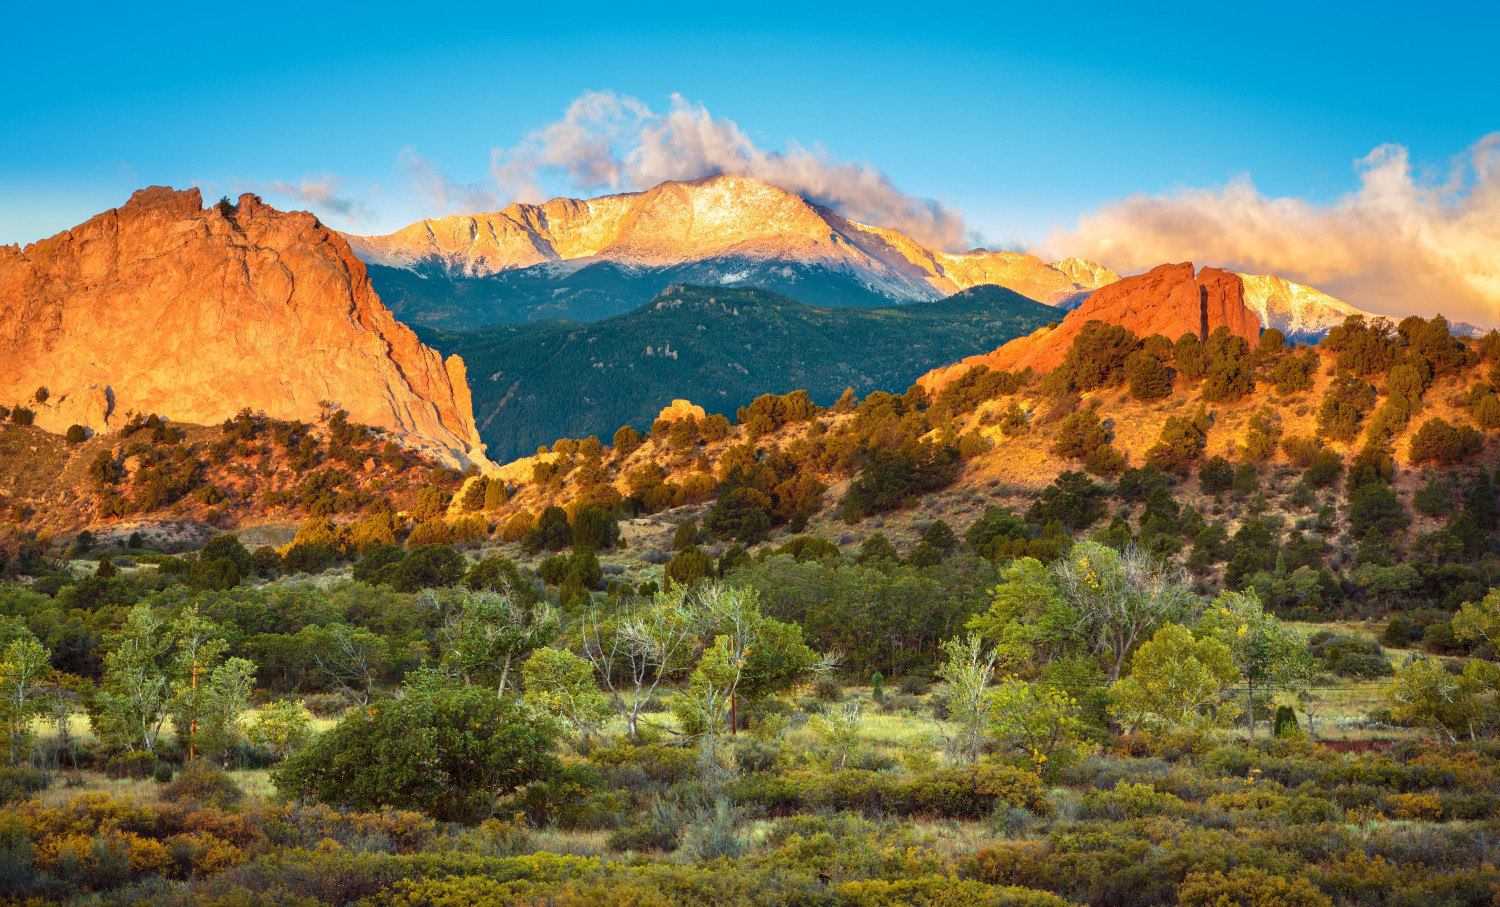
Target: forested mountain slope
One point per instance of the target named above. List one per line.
(720, 347)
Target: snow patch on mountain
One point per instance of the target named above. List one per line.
(1300, 312)
(740, 229)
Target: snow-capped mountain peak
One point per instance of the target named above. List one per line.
(717, 219)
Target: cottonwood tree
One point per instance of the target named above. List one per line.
(1425, 694)
(1039, 722)
(156, 671)
(221, 705)
(703, 709)
(967, 671)
(1480, 621)
(838, 731)
(130, 707)
(768, 655)
(1177, 682)
(352, 658)
(24, 666)
(1029, 621)
(282, 727)
(199, 645)
(638, 647)
(1267, 653)
(645, 642)
(491, 631)
(560, 684)
(1120, 598)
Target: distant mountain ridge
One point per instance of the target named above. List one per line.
(579, 257)
(1301, 313)
(588, 259)
(720, 347)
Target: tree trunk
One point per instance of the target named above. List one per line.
(504, 673)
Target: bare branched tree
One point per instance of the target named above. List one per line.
(637, 647)
(1121, 598)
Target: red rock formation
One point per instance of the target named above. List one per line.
(163, 306)
(1166, 300)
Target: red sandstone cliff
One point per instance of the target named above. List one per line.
(1167, 300)
(194, 314)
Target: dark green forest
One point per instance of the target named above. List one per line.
(719, 347)
(596, 291)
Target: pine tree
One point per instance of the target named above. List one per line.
(1480, 502)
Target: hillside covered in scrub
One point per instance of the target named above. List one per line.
(1129, 633)
(1178, 623)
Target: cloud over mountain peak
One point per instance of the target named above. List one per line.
(607, 141)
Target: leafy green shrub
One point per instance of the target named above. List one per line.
(1182, 442)
(201, 781)
(971, 792)
(688, 566)
(644, 836)
(1350, 656)
(136, 766)
(20, 783)
(427, 567)
(1216, 475)
(302, 557)
(1104, 460)
(1149, 378)
(828, 689)
(445, 750)
(1249, 887)
(596, 529)
(658, 764)
(1079, 435)
(1098, 355)
(1072, 500)
(1131, 801)
(432, 532)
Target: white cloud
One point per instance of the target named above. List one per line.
(324, 198)
(445, 195)
(610, 142)
(1402, 243)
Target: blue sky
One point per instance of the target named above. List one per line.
(1022, 118)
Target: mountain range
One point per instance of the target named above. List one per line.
(246, 306)
(592, 258)
(589, 259)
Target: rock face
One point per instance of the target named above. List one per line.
(194, 314)
(735, 220)
(681, 409)
(1167, 300)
